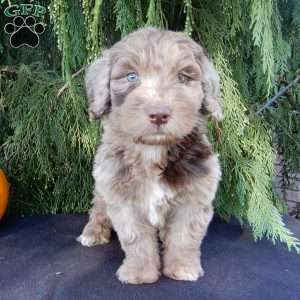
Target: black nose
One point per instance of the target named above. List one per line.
(159, 118)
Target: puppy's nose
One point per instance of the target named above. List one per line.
(158, 115)
(159, 119)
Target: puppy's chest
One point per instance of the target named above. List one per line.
(159, 195)
(157, 202)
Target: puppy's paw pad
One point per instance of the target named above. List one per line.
(92, 240)
(183, 273)
(137, 275)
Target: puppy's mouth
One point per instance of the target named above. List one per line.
(158, 138)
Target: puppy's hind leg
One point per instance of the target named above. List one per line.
(98, 229)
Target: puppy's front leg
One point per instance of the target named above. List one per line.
(138, 240)
(183, 235)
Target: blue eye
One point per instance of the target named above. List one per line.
(132, 77)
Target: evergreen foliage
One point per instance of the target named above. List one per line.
(47, 142)
(51, 142)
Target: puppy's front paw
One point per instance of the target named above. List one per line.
(181, 271)
(93, 238)
(137, 273)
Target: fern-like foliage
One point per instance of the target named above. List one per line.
(189, 21)
(247, 157)
(93, 21)
(155, 14)
(261, 25)
(51, 144)
(129, 16)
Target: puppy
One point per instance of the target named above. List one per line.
(155, 172)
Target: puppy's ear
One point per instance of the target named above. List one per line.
(97, 83)
(210, 83)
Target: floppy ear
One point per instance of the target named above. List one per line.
(210, 83)
(97, 83)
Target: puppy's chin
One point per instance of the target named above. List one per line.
(156, 139)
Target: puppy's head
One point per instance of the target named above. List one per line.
(153, 86)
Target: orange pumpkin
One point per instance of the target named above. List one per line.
(4, 193)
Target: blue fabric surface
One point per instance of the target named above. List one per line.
(39, 259)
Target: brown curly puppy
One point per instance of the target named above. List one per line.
(155, 171)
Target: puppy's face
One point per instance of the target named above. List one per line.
(151, 86)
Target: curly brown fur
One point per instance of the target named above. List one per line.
(155, 170)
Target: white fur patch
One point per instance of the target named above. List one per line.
(151, 154)
(91, 240)
(157, 203)
(156, 200)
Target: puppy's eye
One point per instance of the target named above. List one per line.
(182, 78)
(132, 77)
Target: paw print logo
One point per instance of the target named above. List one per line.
(24, 32)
